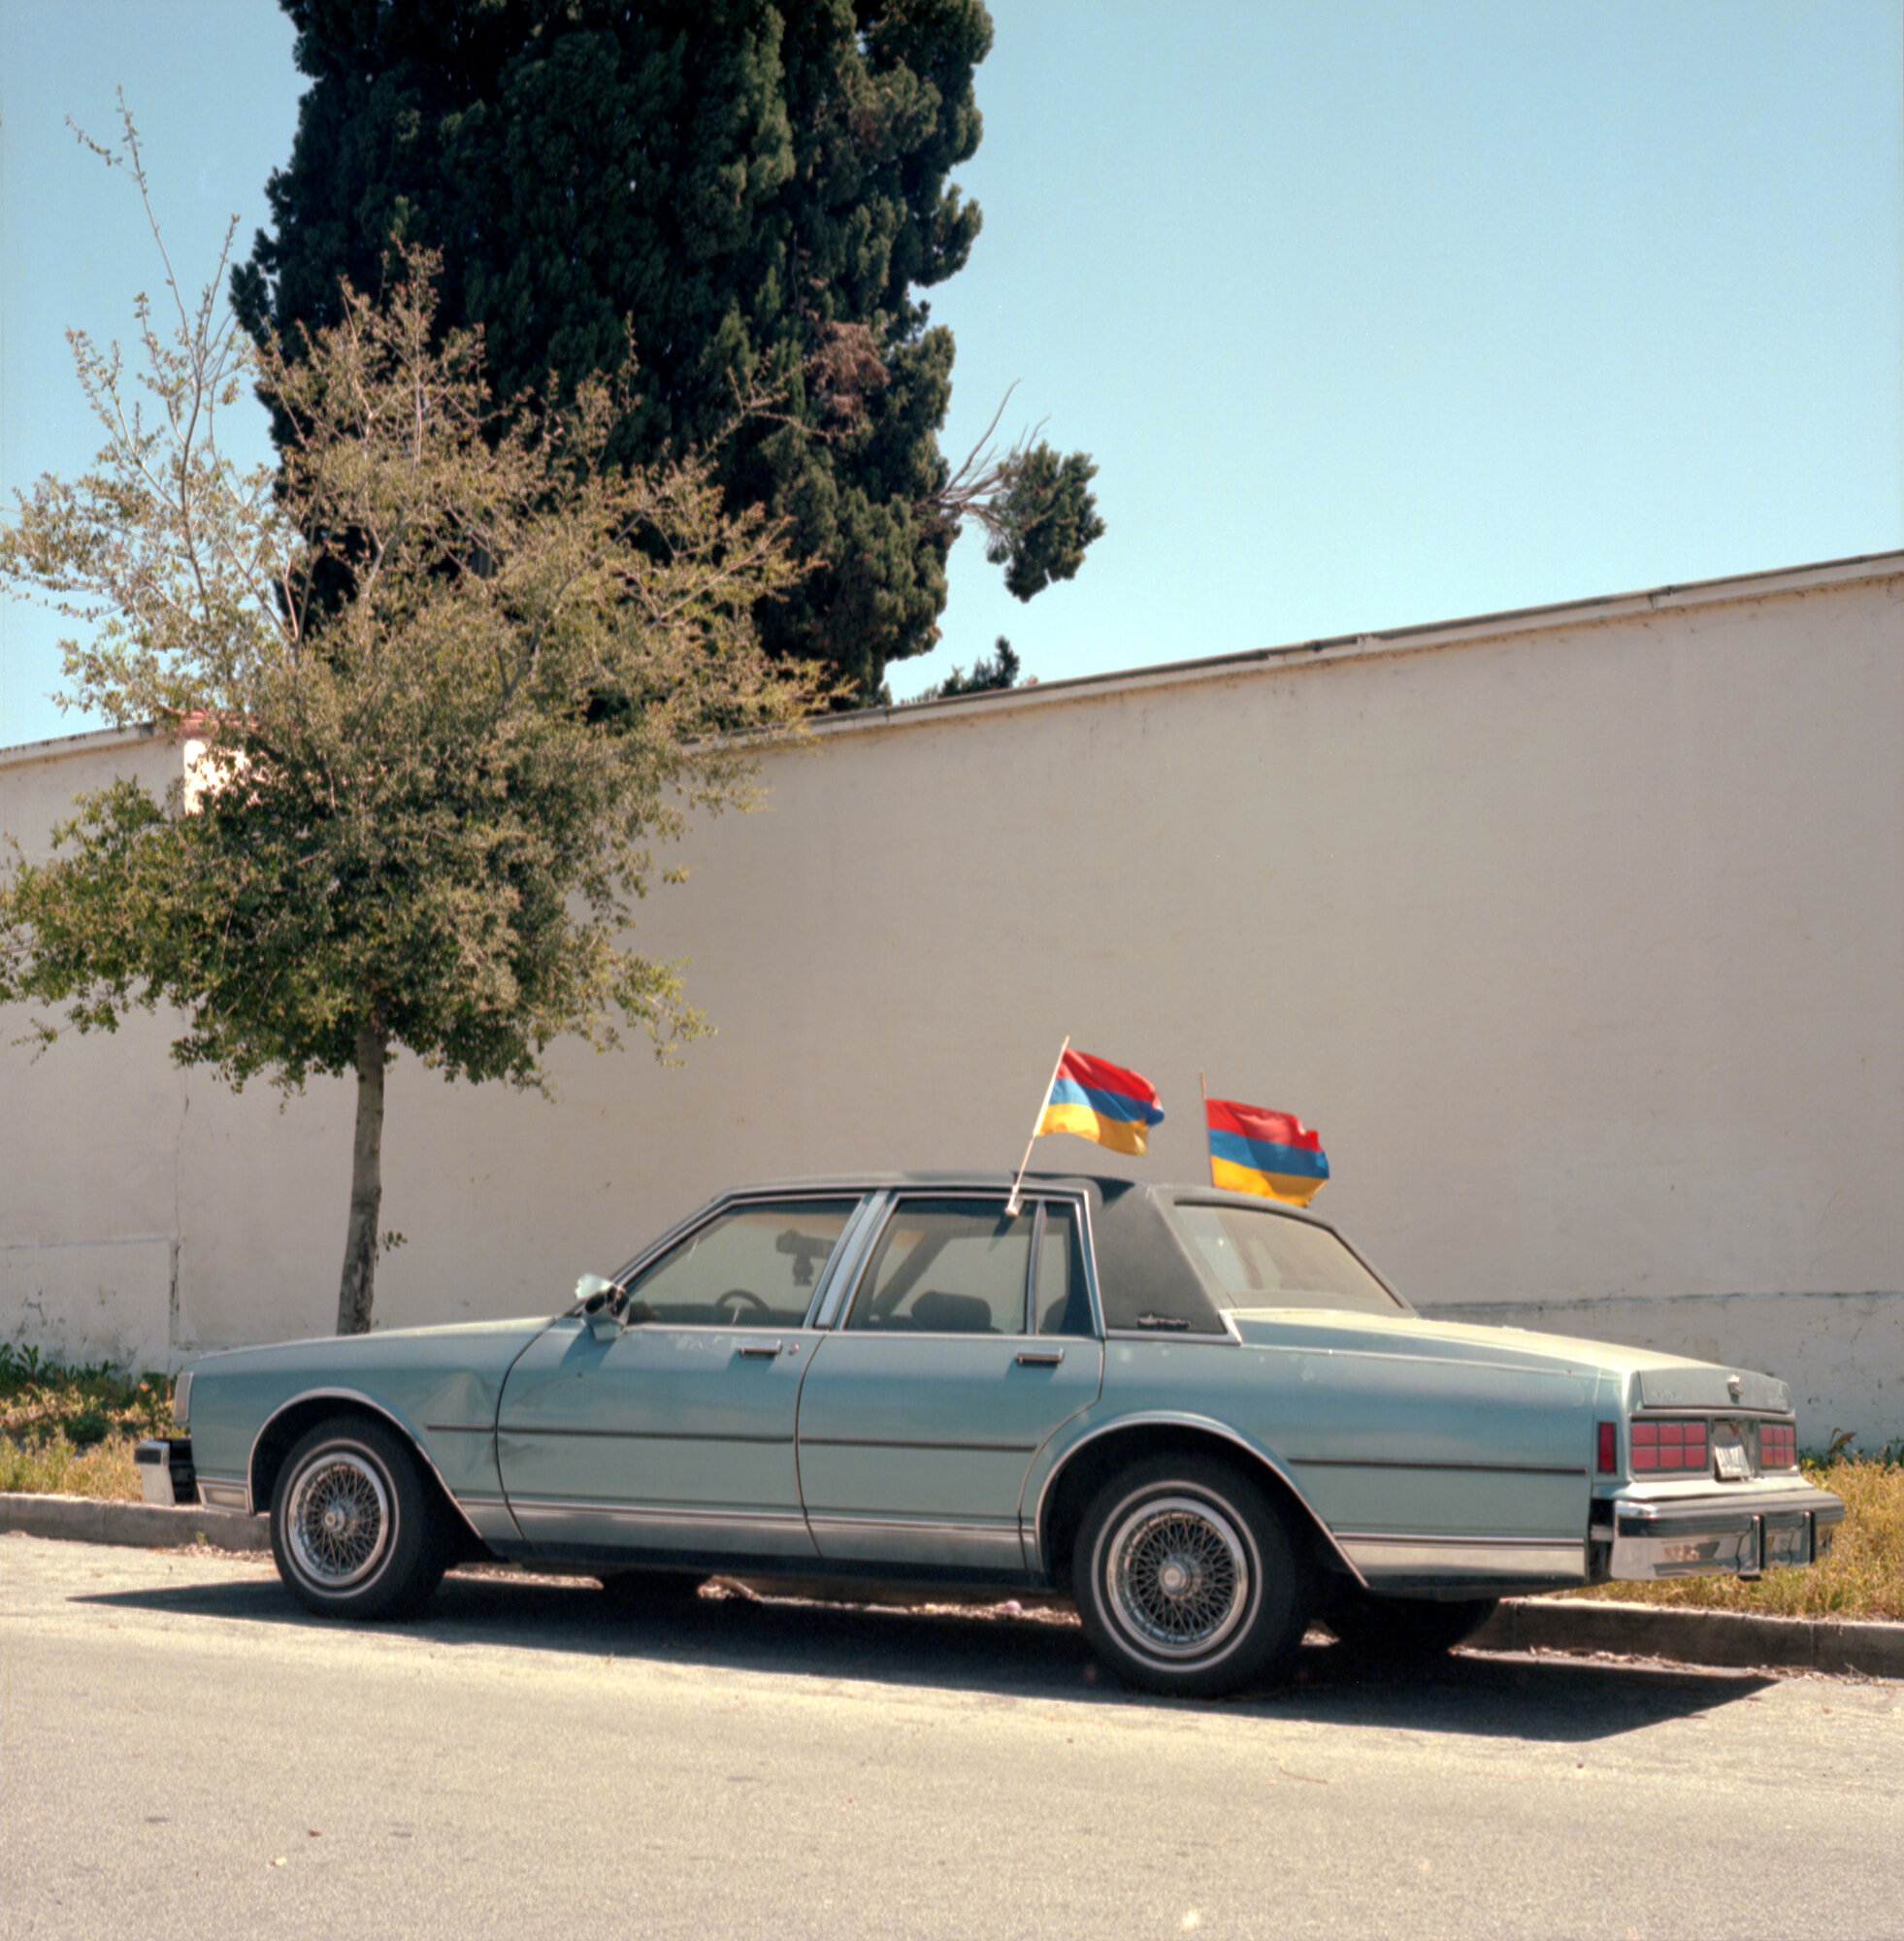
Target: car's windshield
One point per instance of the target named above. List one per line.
(1260, 1259)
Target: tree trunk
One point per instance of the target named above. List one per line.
(359, 1284)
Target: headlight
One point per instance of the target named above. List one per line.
(182, 1393)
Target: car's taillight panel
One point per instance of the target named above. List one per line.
(1669, 1445)
(1778, 1445)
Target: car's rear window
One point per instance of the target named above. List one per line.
(1258, 1258)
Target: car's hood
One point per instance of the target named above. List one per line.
(1662, 1380)
(481, 1346)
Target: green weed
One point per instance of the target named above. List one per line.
(70, 1431)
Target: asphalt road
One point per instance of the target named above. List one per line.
(186, 1754)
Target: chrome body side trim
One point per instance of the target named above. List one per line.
(375, 1407)
(912, 1442)
(898, 1541)
(555, 1525)
(1035, 1525)
(1459, 1469)
(489, 1517)
(1395, 1562)
(631, 1434)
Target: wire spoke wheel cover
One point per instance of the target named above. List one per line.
(355, 1527)
(1189, 1578)
(340, 1518)
(1178, 1575)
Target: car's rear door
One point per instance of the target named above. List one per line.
(969, 1337)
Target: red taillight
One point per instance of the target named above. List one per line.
(1609, 1448)
(1669, 1445)
(1778, 1445)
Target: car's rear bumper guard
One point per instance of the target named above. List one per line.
(1706, 1535)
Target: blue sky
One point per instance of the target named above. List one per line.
(1371, 314)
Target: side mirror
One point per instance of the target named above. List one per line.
(601, 1303)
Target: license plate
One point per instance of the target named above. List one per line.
(1730, 1463)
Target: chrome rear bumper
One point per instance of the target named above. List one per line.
(1742, 1532)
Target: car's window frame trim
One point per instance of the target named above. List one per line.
(731, 1203)
(833, 1316)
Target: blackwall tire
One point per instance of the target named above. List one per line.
(353, 1525)
(1188, 1579)
(1402, 1630)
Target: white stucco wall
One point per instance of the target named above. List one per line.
(1579, 935)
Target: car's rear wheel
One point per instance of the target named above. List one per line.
(1188, 1580)
(1401, 1629)
(351, 1523)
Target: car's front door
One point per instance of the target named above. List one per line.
(676, 1435)
(969, 1337)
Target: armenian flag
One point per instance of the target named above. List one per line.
(1100, 1102)
(1254, 1150)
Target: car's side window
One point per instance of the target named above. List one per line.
(1060, 1302)
(752, 1266)
(947, 1266)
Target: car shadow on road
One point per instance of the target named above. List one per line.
(1548, 1697)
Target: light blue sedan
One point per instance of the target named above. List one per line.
(1199, 1415)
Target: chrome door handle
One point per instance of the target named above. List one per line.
(767, 1350)
(1040, 1358)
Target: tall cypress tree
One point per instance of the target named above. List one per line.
(745, 198)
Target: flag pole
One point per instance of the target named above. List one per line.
(1011, 1205)
(1209, 1151)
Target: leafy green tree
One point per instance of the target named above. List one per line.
(747, 196)
(412, 823)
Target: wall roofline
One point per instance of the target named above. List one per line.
(1390, 641)
(56, 747)
(1383, 642)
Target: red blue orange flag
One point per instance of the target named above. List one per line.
(1101, 1101)
(1254, 1150)
(1096, 1100)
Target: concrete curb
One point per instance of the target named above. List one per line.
(1694, 1637)
(1522, 1624)
(153, 1526)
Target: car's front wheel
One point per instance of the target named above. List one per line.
(350, 1523)
(1188, 1579)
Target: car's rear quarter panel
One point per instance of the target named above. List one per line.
(1375, 1441)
